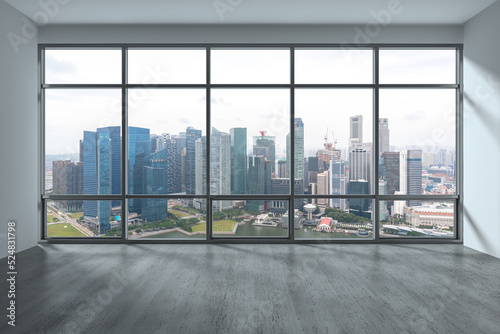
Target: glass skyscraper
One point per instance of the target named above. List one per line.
(238, 160)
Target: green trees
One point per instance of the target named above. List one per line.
(345, 217)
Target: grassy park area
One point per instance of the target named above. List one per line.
(218, 226)
(76, 215)
(63, 230)
(179, 213)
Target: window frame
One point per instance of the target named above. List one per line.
(208, 86)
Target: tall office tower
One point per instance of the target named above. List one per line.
(338, 184)
(360, 162)
(383, 136)
(154, 142)
(265, 146)
(139, 147)
(238, 160)
(403, 172)
(155, 182)
(281, 169)
(427, 159)
(356, 130)
(298, 158)
(389, 170)
(191, 136)
(200, 172)
(323, 188)
(281, 186)
(101, 172)
(174, 147)
(446, 158)
(220, 167)
(306, 173)
(312, 164)
(359, 206)
(414, 175)
(382, 190)
(67, 179)
(256, 181)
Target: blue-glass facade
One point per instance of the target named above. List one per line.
(139, 147)
(155, 181)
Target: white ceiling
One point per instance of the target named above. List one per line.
(248, 11)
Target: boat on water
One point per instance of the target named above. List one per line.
(362, 233)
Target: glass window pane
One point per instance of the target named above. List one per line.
(417, 66)
(417, 219)
(333, 141)
(167, 66)
(166, 145)
(324, 66)
(417, 142)
(83, 66)
(78, 218)
(250, 132)
(83, 141)
(250, 66)
(162, 218)
(243, 218)
(328, 218)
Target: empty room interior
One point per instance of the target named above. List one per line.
(237, 166)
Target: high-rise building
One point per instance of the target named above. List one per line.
(383, 208)
(298, 158)
(191, 136)
(238, 160)
(281, 169)
(155, 182)
(383, 136)
(360, 162)
(323, 188)
(139, 147)
(356, 130)
(389, 170)
(265, 146)
(67, 179)
(359, 206)
(101, 172)
(200, 172)
(257, 181)
(338, 184)
(414, 175)
(220, 167)
(281, 186)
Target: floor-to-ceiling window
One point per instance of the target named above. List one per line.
(286, 142)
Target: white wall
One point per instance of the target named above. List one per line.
(18, 131)
(482, 131)
(251, 34)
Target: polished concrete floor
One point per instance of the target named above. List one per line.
(255, 289)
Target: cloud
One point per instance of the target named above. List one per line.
(416, 115)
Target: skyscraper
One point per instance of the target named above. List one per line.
(356, 130)
(265, 146)
(200, 171)
(139, 147)
(238, 160)
(360, 162)
(101, 172)
(155, 182)
(359, 206)
(191, 136)
(298, 158)
(256, 181)
(383, 133)
(414, 175)
(220, 167)
(67, 179)
(323, 188)
(338, 185)
(389, 170)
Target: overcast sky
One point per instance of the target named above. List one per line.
(415, 116)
